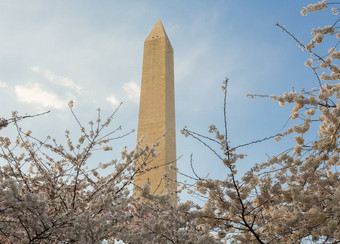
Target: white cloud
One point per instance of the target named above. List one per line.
(113, 100)
(34, 93)
(3, 84)
(57, 79)
(132, 90)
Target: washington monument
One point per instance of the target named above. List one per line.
(157, 112)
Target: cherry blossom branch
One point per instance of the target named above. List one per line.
(300, 43)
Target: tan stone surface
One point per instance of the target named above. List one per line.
(157, 110)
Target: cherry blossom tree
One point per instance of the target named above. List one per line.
(293, 197)
(50, 195)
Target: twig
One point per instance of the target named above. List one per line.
(300, 43)
(257, 141)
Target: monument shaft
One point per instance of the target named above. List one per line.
(157, 112)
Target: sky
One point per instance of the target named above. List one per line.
(91, 52)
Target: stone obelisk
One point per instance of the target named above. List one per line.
(157, 113)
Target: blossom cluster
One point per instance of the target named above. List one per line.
(314, 7)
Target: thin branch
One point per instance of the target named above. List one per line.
(225, 88)
(193, 169)
(300, 43)
(257, 141)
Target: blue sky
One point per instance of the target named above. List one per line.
(91, 52)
